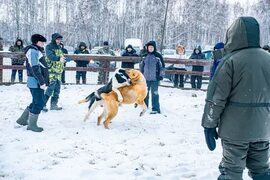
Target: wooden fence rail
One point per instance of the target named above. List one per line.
(88, 57)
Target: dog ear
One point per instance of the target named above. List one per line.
(132, 74)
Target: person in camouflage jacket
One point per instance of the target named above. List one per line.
(18, 47)
(55, 59)
(103, 77)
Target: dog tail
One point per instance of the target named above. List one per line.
(88, 98)
(92, 101)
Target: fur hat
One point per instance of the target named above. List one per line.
(37, 37)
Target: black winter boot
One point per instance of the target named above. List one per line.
(24, 117)
(32, 123)
(54, 105)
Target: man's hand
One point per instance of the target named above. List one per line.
(62, 59)
(43, 86)
(210, 136)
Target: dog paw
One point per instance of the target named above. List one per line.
(120, 100)
(142, 113)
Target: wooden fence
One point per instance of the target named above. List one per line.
(4, 54)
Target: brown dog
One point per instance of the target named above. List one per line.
(133, 94)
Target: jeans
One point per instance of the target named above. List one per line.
(153, 87)
(195, 85)
(13, 75)
(37, 100)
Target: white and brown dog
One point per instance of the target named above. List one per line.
(134, 93)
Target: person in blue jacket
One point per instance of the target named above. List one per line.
(217, 54)
(37, 82)
(152, 67)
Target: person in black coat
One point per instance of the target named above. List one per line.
(82, 49)
(129, 52)
(197, 54)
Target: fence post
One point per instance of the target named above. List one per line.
(1, 70)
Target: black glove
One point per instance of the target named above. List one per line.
(210, 136)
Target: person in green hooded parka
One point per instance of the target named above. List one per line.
(238, 104)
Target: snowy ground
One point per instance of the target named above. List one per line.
(169, 146)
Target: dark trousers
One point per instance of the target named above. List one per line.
(103, 76)
(179, 79)
(153, 87)
(238, 155)
(195, 85)
(37, 100)
(54, 91)
(13, 75)
(63, 77)
(79, 75)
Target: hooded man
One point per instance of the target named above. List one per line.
(238, 104)
(195, 80)
(129, 51)
(55, 59)
(82, 49)
(18, 47)
(217, 55)
(103, 77)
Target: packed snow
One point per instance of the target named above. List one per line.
(167, 146)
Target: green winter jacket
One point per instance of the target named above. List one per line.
(53, 54)
(238, 98)
(16, 48)
(106, 51)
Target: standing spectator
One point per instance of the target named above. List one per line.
(55, 60)
(238, 104)
(152, 69)
(18, 47)
(1, 49)
(144, 51)
(129, 52)
(197, 54)
(37, 82)
(63, 76)
(103, 76)
(217, 54)
(179, 78)
(1, 44)
(82, 49)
